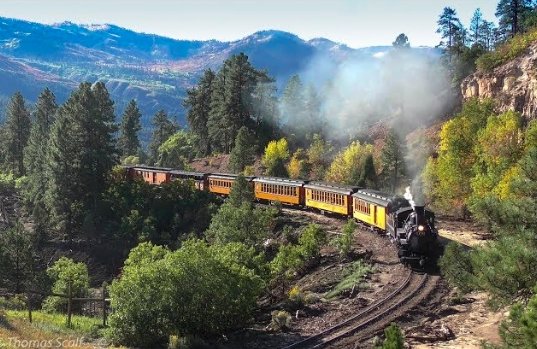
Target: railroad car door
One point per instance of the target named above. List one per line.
(375, 214)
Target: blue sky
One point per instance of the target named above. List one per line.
(357, 23)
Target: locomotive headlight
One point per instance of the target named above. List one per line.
(421, 228)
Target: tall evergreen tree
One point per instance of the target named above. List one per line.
(393, 162)
(488, 35)
(511, 15)
(476, 28)
(81, 154)
(17, 130)
(198, 103)
(232, 100)
(243, 154)
(216, 123)
(369, 174)
(101, 148)
(36, 151)
(449, 26)
(129, 144)
(163, 128)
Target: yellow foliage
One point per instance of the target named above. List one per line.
(504, 188)
(276, 150)
(347, 166)
(297, 166)
(501, 139)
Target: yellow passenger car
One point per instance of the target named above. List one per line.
(370, 207)
(330, 197)
(286, 191)
(221, 183)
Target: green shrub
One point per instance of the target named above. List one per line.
(245, 224)
(281, 320)
(393, 338)
(66, 275)
(187, 342)
(456, 267)
(7, 181)
(287, 262)
(198, 289)
(311, 298)
(17, 302)
(311, 240)
(520, 329)
(355, 275)
(344, 241)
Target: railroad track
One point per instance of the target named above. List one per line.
(370, 320)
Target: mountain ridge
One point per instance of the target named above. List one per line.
(153, 69)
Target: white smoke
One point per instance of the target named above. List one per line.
(410, 199)
(404, 87)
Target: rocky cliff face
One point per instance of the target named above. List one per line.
(513, 85)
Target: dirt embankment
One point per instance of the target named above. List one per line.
(453, 322)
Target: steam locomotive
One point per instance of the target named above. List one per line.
(410, 227)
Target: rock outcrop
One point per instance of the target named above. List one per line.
(512, 85)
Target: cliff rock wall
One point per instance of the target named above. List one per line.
(513, 85)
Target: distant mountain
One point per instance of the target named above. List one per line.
(153, 69)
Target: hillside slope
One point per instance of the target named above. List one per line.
(512, 85)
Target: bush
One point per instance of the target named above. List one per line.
(311, 298)
(188, 342)
(520, 330)
(356, 273)
(196, 290)
(7, 182)
(456, 267)
(393, 338)
(344, 241)
(311, 240)
(66, 275)
(244, 224)
(281, 320)
(13, 303)
(287, 262)
(296, 297)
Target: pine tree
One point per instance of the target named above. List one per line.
(198, 103)
(393, 162)
(449, 26)
(369, 178)
(241, 193)
(312, 123)
(216, 124)
(81, 154)
(243, 154)
(17, 130)
(511, 14)
(101, 148)
(488, 35)
(476, 28)
(293, 109)
(163, 128)
(35, 152)
(130, 126)
(401, 41)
